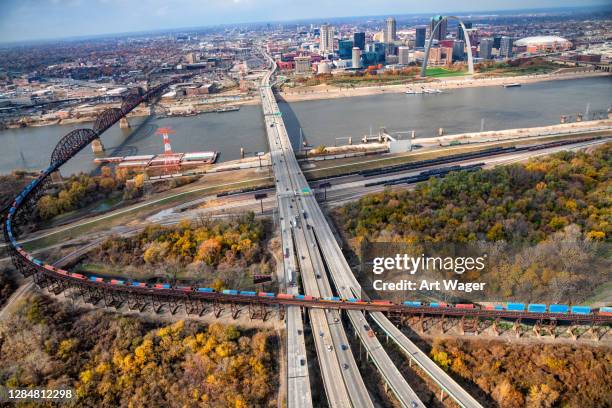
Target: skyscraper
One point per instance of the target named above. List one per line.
(327, 38)
(359, 40)
(505, 47)
(345, 48)
(486, 48)
(440, 33)
(458, 50)
(460, 35)
(356, 60)
(390, 34)
(421, 33)
(497, 41)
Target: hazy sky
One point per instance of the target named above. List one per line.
(42, 19)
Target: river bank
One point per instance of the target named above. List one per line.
(331, 92)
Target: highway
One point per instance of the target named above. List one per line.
(300, 212)
(342, 381)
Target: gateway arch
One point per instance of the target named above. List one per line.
(467, 42)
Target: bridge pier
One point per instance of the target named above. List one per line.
(123, 123)
(517, 329)
(56, 177)
(97, 146)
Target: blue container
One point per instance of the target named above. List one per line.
(37, 262)
(585, 310)
(93, 278)
(412, 303)
(332, 298)
(230, 292)
(536, 308)
(248, 293)
(434, 305)
(206, 290)
(558, 309)
(498, 307)
(352, 300)
(165, 286)
(515, 307)
(299, 297)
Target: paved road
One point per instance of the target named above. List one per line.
(293, 190)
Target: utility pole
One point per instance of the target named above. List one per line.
(260, 197)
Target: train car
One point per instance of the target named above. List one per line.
(498, 307)
(515, 307)
(139, 284)
(536, 308)
(438, 304)
(185, 288)
(37, 262)
(558, 309)
(304, 297)
(95, 279)
(583, 310)
(50, 268)
(284, 296)
(12, 211)
(117, 282)
(77, 275)
(412, 303)
(352, 300)
(230, 292)
(162, 286)
(248, 293)
(605, 311)
(62, 272)
(265, 294)
(382, 302)
(464, 306)
(206, 290)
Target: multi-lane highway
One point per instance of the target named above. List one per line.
(343, 383)
(303, 226)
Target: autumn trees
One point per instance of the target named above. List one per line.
(530, 375)
(202, 250)
(555, 205)
(112, 361)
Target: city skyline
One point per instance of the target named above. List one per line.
(75, 18)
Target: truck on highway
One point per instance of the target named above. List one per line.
(291, 277)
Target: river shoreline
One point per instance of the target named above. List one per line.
(320, 92)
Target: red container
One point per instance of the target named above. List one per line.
(78, 276)
(382, 302)
(284, 296)
(464, 306)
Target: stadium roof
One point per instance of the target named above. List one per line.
(541, 40)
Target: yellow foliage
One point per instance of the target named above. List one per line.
(86, 376)
(596, 235)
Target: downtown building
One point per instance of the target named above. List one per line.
(302, 65)
(390, 32)
(486, 48)
(327, 39)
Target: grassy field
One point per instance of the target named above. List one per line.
(439, 72)
(130, 214)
